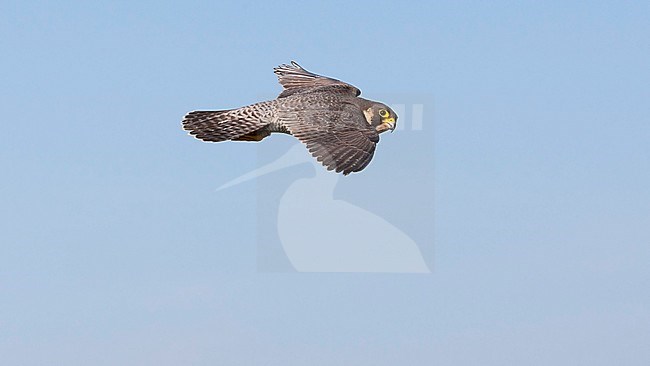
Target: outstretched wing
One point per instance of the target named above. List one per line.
(340, 138)
(297, 80)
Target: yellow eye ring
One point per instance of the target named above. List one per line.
(383, 113)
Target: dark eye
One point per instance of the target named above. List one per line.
(383, 113)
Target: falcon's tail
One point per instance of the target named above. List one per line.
(217, 126)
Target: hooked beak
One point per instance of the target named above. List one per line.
(386, 124)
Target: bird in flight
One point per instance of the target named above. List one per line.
(340, 129)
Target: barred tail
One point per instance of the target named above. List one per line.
(217, 126)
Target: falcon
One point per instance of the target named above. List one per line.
(340, 129)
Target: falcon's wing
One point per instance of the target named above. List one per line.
(296, 80)
(340, 139)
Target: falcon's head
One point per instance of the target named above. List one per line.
(381, 117)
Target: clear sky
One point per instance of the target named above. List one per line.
(116, 249)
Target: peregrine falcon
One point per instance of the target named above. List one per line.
(339, 128)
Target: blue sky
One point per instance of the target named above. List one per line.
(116, 249)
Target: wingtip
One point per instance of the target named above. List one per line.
(295, 64)
(286, 67)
